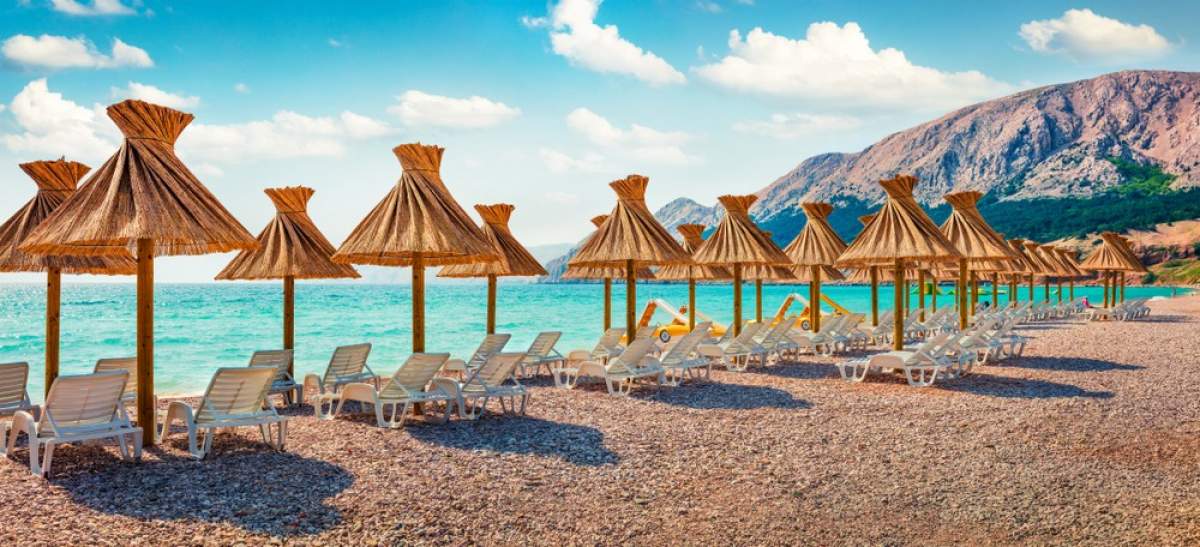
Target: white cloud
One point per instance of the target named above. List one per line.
(208, 170)
(49, 51)
(51, 125)
(560, 162)
(791, 126)
(97, 7)
(2, 107)
(638, 141)
(241, 88)
(334, 42)
(836, 64)
(152, 94)
(708, 5)
(575, 35)
(1081, 33)
(417, 108)
(286, 135)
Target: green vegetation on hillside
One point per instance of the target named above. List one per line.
(1138, 179)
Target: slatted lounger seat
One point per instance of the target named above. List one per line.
(236, 397)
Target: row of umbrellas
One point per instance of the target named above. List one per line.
(143, 202)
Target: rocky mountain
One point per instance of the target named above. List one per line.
(1066, 154)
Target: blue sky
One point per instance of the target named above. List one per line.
(538, 104)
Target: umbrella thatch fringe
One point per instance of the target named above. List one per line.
(817, 244)
(693, 238)
(289, 246)
(514, 260)
(984, 248)
(900, 231)
(1112, 255)
(417, 218)
(56, 181)
(142, 192)
(575, 272)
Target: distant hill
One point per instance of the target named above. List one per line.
(1116, 152)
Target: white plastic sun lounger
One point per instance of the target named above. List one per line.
(736, 354)
(491, 344)
(77, 409)
(282, 384)
(920, 366)
(411, 384)
(621, 372)
(541, 353)
(608, 346)
(777, 343)
(236, 397)
(14, 391)
(496, 379)
(682, 361)
(347, 365)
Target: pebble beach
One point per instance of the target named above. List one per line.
(1092, 437)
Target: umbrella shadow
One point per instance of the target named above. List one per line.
(1020, 388)
(800, 370)
(576, 444)
(722, 396)
(243, 484)
(1070, 364)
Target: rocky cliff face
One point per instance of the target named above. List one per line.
(1044, 142)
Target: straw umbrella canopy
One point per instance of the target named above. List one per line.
(693, 238)
(514, 261)
(1110, 258)
(816, 248)
(56, 181)
(605, 273)
(633, 238)
(143, 199)
(982, 249)
(1137, 267)
(417, 224)
(1040, 267)
(1068, 260)
(290, 247)
(899, 235)
(738, 243)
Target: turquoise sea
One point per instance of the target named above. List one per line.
(200, 327)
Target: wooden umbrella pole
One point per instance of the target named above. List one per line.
(418, 304)
(962, 294)
(758, 300)
(1071, 288)
(933, 293)
(691, 304)
(921, 293)
(1122, 274)
(53, 315)
(995, 290)
(491, 304)
(630, 302)
(814, 297)
(147, 414)
(974, 292)
(1046, 291)
(737, 299)
(874, 272)
(607, 303)
(1105, 281)
(1032, 296)
(289, 317)
(907, 300)
(901, 296)
(1060, 290)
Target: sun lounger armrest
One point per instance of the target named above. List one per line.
(579, 355)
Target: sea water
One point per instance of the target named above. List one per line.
(200, 327)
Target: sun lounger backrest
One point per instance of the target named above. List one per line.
(492, 343)
(686, 345)
(543, 344)
(347, 362)
(631, 358)
(413, 375)
(13, 392)
(83, 401)
(281, 359)
(127, 364)
(498, 368)
(234, 392)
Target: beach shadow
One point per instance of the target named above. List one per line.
(1152, 318)
(1019, 388)
(1068, 364)
(244, 485)
(722, 396)
(574, 444)
(800, 370)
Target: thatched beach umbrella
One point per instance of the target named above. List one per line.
(145, 200)
(290, 247)
(1108, 259)
(872, 275)
(604, 273)
(693, 238)
(1040, 266)
(514, 261)
(899, 235)
(815, 248)
(1068, 259)
(632, 238)
(1018, 269)
(417, 224)
(1136, 266)
(765, 274)
(56, 181)
(982, 249)
(738, 243)
(1062, 271)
